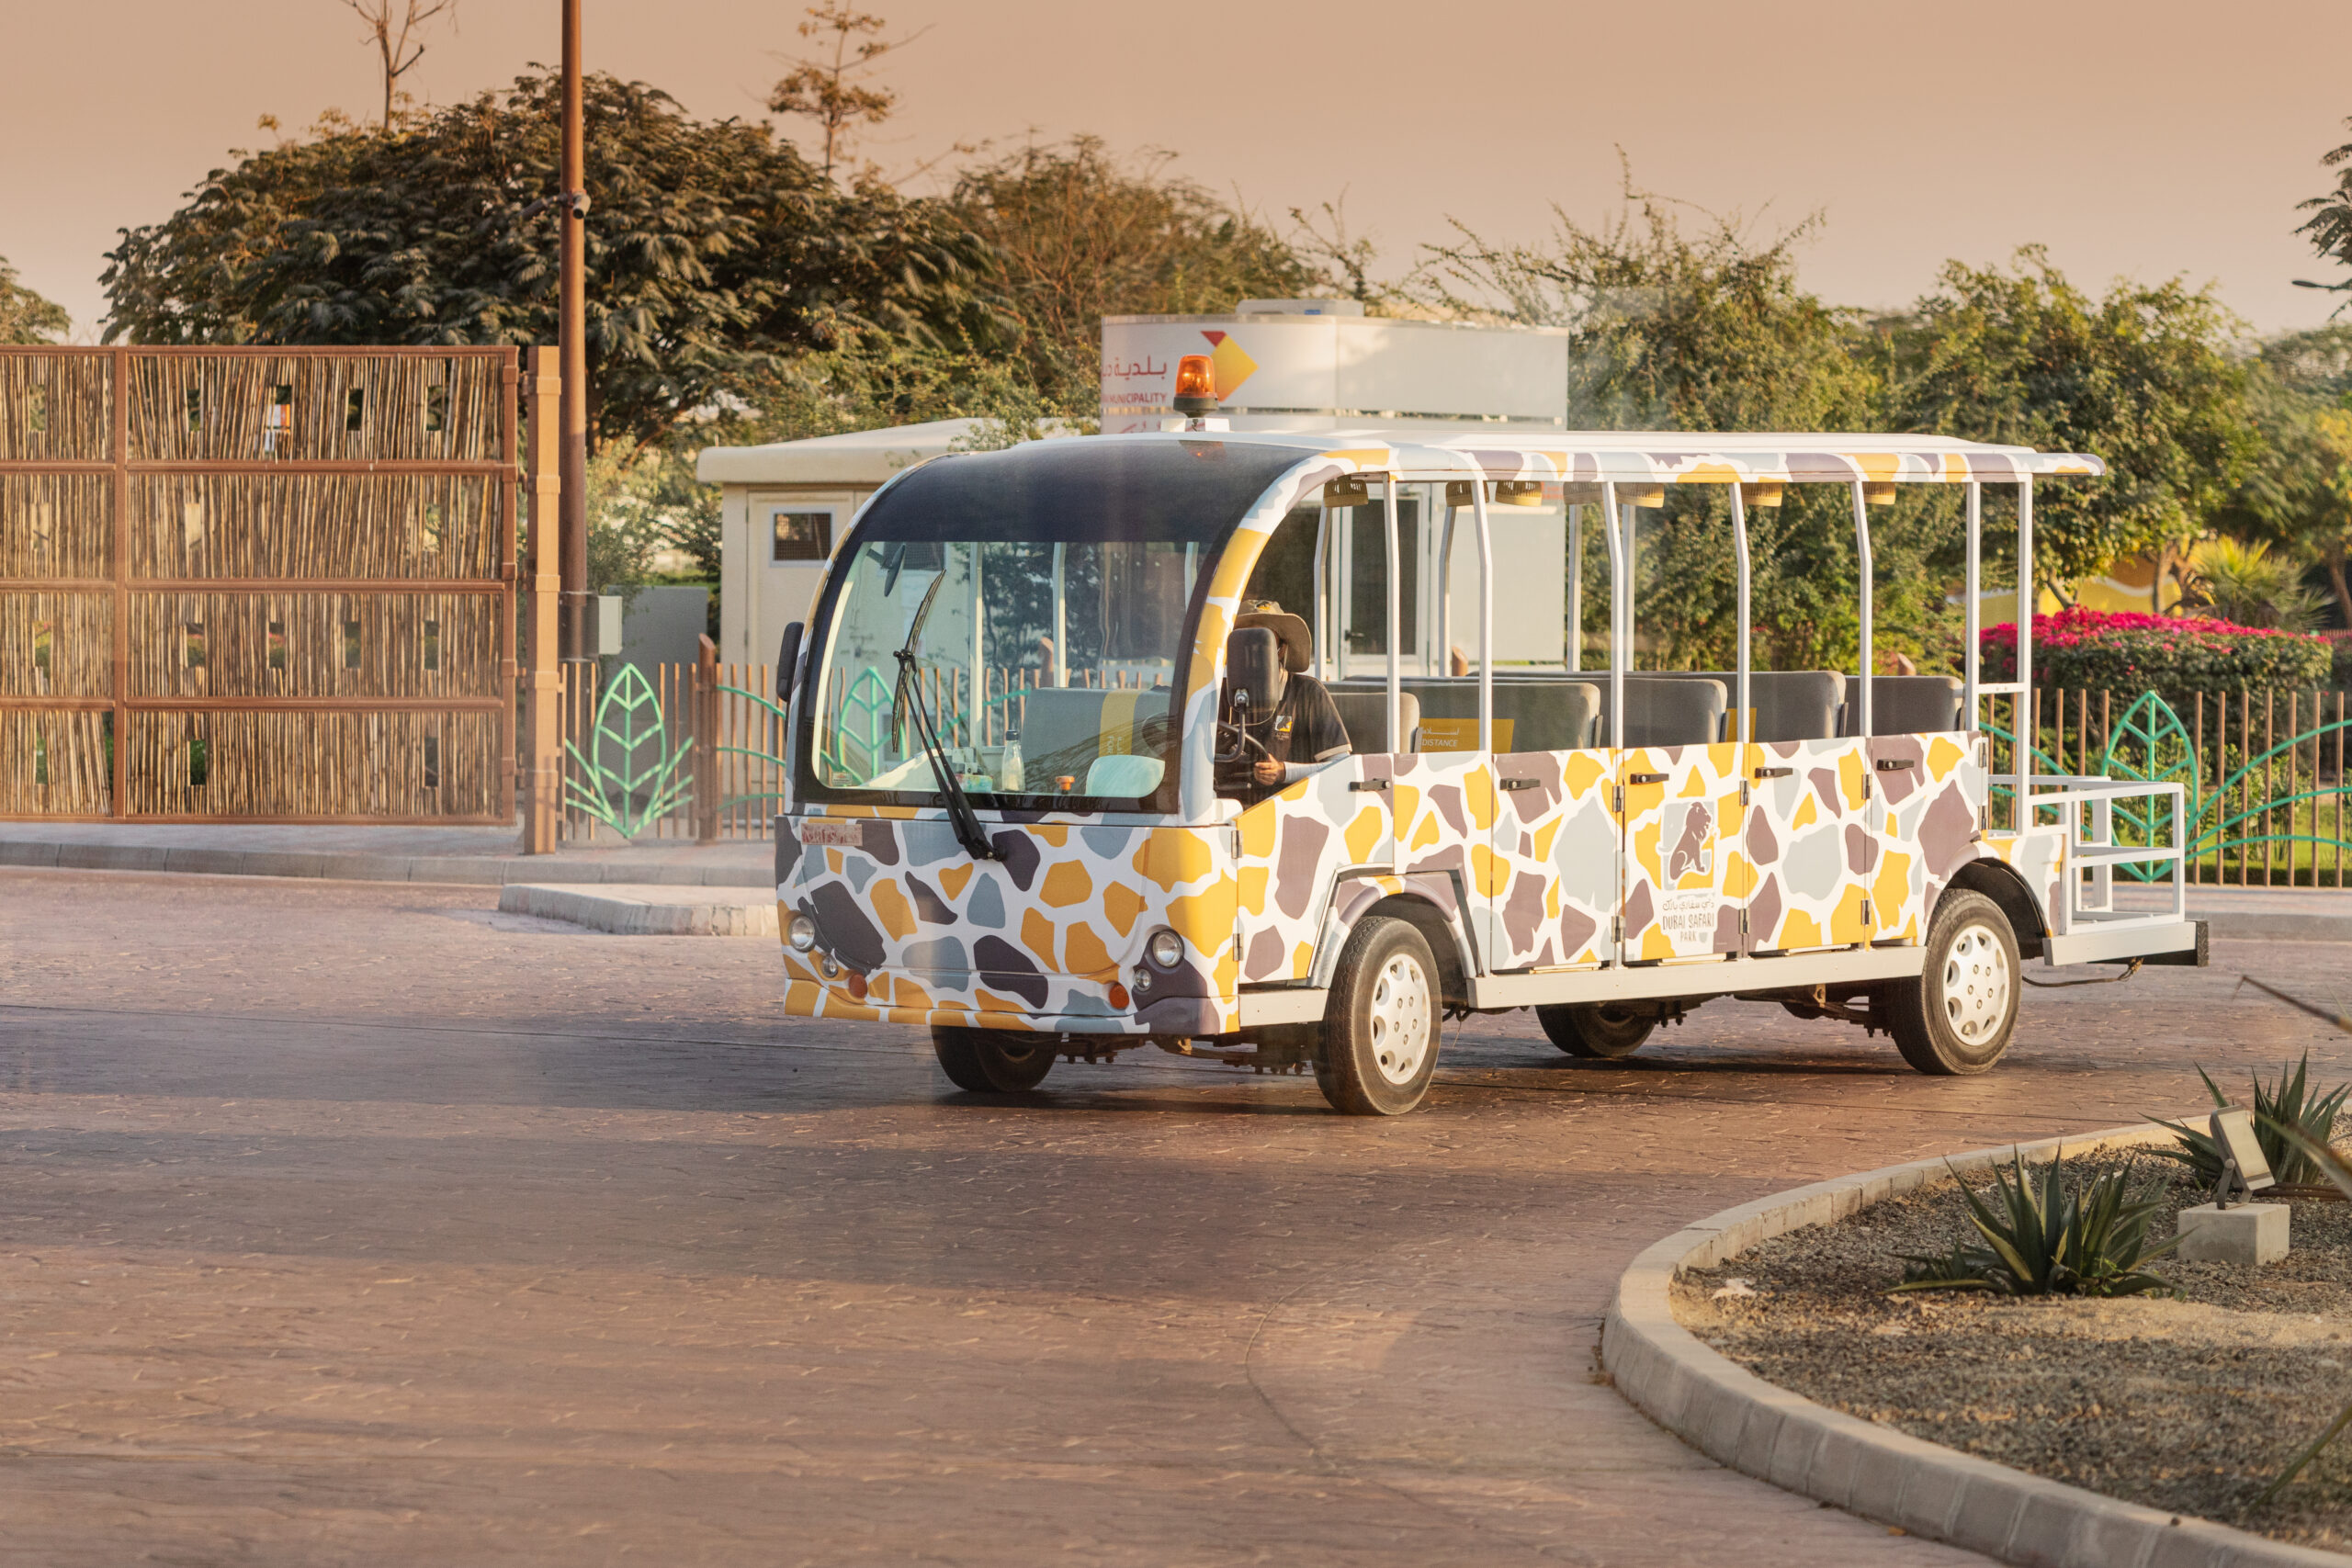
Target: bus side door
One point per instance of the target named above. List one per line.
(1810, 843)
(1553, 872)
(1682, 894)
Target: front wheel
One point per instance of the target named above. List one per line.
(1603, 1031)
(1380, 1027)
(1957, 1017)
(992, 1061)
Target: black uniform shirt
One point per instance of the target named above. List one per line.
(1305, 727)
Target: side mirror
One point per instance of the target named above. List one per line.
(787, 660)
(1253, 667)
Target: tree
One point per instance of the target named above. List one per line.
(2142, 378)
(1674, 329)
(1076, 235)
(829, 90)
(25, 316)
(2330, 223)
(396, 42)
(715, 251)
(2298, 496)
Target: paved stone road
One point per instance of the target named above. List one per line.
(347, 1222)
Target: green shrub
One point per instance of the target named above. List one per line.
(2043, 1239)
(2288, 1103)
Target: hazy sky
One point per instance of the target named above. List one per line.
(2146, 139)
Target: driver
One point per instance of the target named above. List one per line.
(1301, 727)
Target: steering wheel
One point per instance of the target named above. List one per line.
(1234, 743)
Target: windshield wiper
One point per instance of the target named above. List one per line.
(960, 815)
(907, 699)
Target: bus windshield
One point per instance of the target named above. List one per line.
(1043, 599)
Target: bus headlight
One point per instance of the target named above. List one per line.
(1165, 949)
(802, 933)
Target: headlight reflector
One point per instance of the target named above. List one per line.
(1165, 949)
(802, 933)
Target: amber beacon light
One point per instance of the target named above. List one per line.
(1195, 384)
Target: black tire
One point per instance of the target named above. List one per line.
(992, 1061)
(1607, 1031)
(1380, 1028)
(1957, 1016)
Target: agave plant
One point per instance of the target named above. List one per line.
(2322, 1158)
(2042, 1238)
(2288, 1103)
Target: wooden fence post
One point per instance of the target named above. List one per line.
(543, 800)
(707, 741)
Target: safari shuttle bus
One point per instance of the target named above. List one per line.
(1064, 785)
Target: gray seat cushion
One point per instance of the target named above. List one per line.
(1670, 710)
(1365, 715)
(1791, 705)
(1904, 705)
(1543, 712)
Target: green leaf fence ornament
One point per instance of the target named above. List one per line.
(2151, 745)
(646, 783)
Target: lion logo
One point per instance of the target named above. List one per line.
(1694, 844)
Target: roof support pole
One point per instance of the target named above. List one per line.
(1620, 616)
(1059, 675)
(1739, 557)
(1319, 617)
(1862, 564)
(1575, 587)
(1974, 591)
(2021, 706)
(1395, 617)
(1444, 617)
(1485, 621)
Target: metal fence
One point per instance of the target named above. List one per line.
(257, 585)
(2262, 772)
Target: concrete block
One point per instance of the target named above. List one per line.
(1878, 1475)
(1792, 1449)
(1834, 1463)
(2244, 1232)
(1931, 1492)
(1988, 1511)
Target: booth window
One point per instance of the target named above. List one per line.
(803, 536)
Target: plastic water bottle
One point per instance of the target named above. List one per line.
(1009, 765)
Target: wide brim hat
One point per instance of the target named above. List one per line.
(1298, 643)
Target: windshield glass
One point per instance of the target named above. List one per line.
(1044, 594)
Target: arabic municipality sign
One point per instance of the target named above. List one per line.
(1337, 366)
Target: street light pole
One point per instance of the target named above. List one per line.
(572, 338)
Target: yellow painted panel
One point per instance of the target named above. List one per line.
(951, 880)
(1545, 834)
(1943, 756)
(1808, 812)
(1122, 903)
(1853, 778)
(1302, 961)
(1846, 923)
(1489, 871)
(1364, 833)
(1257, 830)
(1646, 854)
(1404, 804)
(1054, 833)
(1037, 936)
(1173, 856)
(1798, 930)
(885, 900)
(1066, 884)
(1655, 944)
(1581, 772)
(1478, 793)
(1254, 880)
(1083, 953)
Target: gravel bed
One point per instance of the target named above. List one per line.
(2190, 1403)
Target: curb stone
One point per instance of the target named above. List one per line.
(1741, 1421)
(480, 870)
(626, 910)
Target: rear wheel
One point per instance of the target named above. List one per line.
(992, 1061)
(1380, 1027)
(1606, 1031)
(1957, 1016)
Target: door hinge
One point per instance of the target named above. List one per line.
(1743, 792)
(1617, 928)
(1743, 921)
(1618, 799)
(1866, 911)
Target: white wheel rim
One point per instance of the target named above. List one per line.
(1400, 1020)
(1976, 985)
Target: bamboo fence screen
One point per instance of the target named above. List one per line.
(259, 584)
